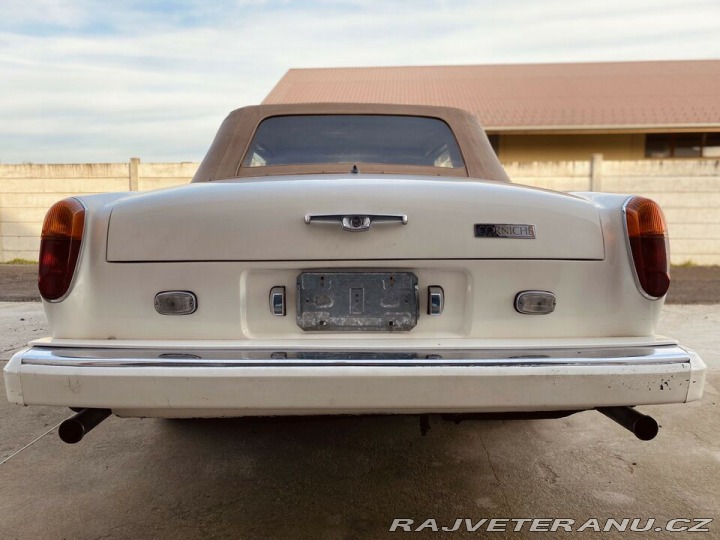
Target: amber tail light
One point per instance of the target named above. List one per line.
(60, 242)
(648, 239)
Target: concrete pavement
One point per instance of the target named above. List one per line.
(350, 477)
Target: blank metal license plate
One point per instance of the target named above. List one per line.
(357, 301)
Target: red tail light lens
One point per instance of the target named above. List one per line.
(59, 247)
(648, 238)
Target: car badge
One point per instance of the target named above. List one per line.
(504, 230)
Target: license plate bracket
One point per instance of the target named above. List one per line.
(357, 301)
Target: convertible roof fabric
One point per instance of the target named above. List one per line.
(224, 158)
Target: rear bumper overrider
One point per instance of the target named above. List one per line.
(245, 382)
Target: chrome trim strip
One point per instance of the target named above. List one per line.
(356, 222)
(120, 358)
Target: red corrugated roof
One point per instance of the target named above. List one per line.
(620, 95)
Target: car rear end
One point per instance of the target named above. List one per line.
(221, 299)
(353, 259)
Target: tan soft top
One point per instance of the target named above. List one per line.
(225, 156)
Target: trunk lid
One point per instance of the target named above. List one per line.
(264, 220)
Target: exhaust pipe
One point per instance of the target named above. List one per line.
(644, 427)
(77, 426)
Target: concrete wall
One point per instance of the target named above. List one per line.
(528, 148)
(688, 190)
(27, 191)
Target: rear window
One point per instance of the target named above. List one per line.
(347, 138)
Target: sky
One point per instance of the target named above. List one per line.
(103, 81)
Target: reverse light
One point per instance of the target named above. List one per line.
(535, 302)
(175, 303)
(648, 240)
(60, 243)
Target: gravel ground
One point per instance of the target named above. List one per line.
(693, 285)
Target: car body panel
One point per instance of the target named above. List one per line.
(233, 295)
(264, 220)
(236, 234)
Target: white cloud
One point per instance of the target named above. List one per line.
(85, 81)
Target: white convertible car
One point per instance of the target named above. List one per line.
(353, 259)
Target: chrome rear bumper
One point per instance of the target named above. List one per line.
(237, 382)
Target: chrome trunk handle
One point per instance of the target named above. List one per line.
(356, 222)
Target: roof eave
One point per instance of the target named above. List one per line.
(601, 129)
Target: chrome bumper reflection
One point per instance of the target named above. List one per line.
(116, 357)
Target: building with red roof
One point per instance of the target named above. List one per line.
(547, 112)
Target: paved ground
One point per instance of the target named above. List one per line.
(692, 285)
(348, 478)
(18, 283)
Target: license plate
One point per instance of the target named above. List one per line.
(357, 301)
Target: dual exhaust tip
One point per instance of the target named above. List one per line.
(642, 426)
(80, 424)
